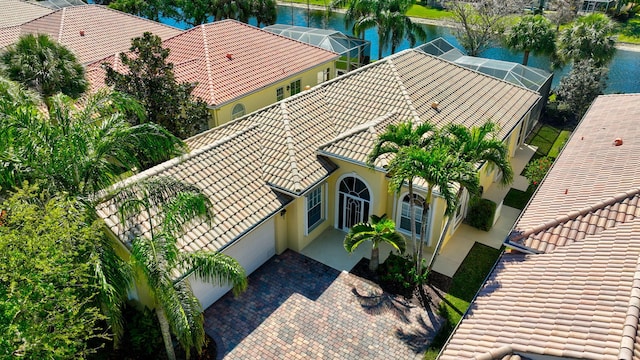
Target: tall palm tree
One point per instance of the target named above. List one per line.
(45, 66)
(589, 37)
(379, 230)
(389, 143)
(173, 205)
(475, 145)
(533, 33)
(440, 168)
(79, 148)
(391, 20)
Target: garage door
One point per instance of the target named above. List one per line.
(253, 250)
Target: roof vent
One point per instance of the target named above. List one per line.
(81, 32)
(434, 105)
(230, 56)
(617, 142)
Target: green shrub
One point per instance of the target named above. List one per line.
(481, 213)
(398, 275)
(142, 333)
(537, 169)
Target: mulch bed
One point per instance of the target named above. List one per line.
(435, 289)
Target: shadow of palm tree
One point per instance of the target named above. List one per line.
(375, 304)
(418, 340)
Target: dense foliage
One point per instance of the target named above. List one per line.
(589, 37)
(149, 78)
(581, 86)
(44, 66)
(48, 289)
(481, 213)
(531, 34)
(537, 169)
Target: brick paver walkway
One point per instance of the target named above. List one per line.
(297, 308)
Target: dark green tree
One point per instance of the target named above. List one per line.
(149, 78)
(581, 86)
(43, 65)
(532, 33)
(158, 259)
(49, 289)
(379, 230)
(150, 9)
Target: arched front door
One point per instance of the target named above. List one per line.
(354, 201)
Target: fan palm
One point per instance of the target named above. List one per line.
(589, 37)
(173, 205)
(45, 66)
(395, 138)
(440, 168)
(532, 33)
(379, 230)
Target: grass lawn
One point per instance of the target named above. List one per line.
(519, 199)
(630, 31)
(424, 12)
(466, 283)
(559, 143)
(544, 138)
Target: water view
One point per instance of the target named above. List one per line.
(624, 70)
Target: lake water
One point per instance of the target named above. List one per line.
(624, 70)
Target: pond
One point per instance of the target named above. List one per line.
(624, 70)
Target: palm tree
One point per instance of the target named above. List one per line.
(79, 148)
(45, 66)
(379, 230)
(439, 167)
(395, 138)
(475, 145)
(173, 205)
(265, 12)
(589, 37)
(531, 34)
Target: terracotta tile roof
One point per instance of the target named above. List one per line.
(106, 31)
(9, 35)
(592, 185)
(258, 59)
(229, 172)
(333, 113)
(17, 12)
(579, 302)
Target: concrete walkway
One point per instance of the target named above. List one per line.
(297, 308)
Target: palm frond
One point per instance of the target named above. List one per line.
(217, 268)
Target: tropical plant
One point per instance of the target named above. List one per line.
(581, 86)
(390, 19)
(537, 169)
(265, 12)
(532, 33)
(150, 9)
(157, 256)
(589, 37)
(78, 148)
(48, 284)
(439, 166)
(44, 66)
(389, 143)
(149, 78)
(379, 230)
(565, 12)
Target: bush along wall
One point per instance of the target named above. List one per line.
(481, 213)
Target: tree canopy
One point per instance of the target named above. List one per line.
(581, 86)
(151, 81)
(532, 33)
(44, 66)
(49, 292)
(589, 37)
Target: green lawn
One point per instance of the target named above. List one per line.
(424, 12)
(466, 283)
(559, 143)
(544, 138)
(630, 31)
(518, 199)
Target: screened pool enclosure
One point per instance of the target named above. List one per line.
(354, 52)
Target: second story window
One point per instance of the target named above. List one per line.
(237, 111)
(279, 94)
(295, 87)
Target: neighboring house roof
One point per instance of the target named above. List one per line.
(593, 185)
(229, 173)
(333, 113)
(229, 59)
(17, 12)
(578, 302)
(577, 293)
(91, 31)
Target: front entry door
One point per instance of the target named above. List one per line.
(353, 203)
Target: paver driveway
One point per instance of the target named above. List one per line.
(297, 308)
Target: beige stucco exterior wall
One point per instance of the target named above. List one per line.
(267, 95)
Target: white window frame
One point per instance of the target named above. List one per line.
(296, 84)
(322, 204)
(235, 113)
(429, 217)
